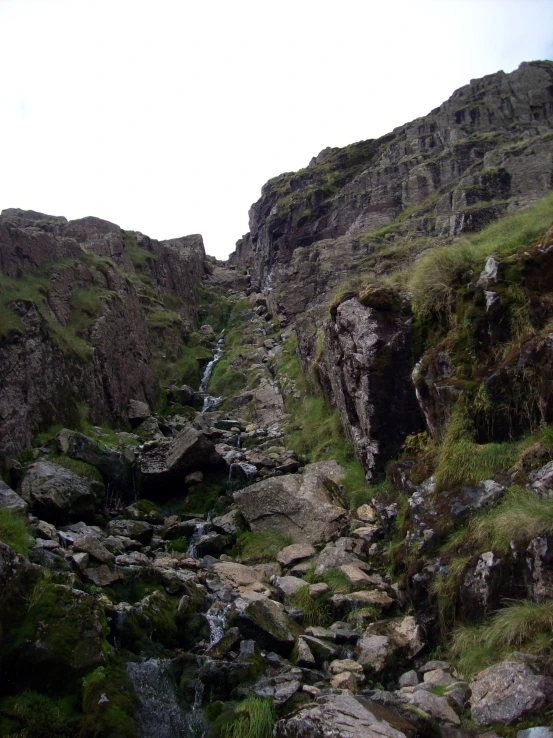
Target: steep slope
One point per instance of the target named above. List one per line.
(358, 214)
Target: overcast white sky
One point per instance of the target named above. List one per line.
(168, 117)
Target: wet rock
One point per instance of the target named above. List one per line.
(10, 499)
(225, 644)
(300, 507)
(334, 716)
(279, 688)
(294, 553)
(138, 530)
(212, 544)
(505, 692)
(59, 495)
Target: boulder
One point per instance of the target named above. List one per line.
(280, 688)
(294, 553)
(507, 691)
(435, 706)
(138, 530)
(335, 716)
(64, 638)
(235, 575)
(288, 586)
(304, 508)
(267, 623)
(230, 523)
(10, 499)
(137, 412)
(93, 547)
(59, 495)
(112, 465)
(387, 642)
(337, 554)
(167, 463)
(101, 576)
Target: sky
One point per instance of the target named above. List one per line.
(168, 117)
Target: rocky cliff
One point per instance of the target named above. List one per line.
(87, 307)
(306, 493)
(362, 212)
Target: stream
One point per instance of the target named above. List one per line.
(210, 401)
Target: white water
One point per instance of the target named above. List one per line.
(211, 402)
(199, 531)
(217, 619)
(160, 715)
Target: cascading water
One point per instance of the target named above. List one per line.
(217, 619)
(199, 531)
(160, 714)
(211, 402)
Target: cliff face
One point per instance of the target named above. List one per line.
(84, 314)
(373, 207)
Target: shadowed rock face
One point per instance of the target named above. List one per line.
(45, 374)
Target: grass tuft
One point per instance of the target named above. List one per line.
(13, 531)
(254, 718)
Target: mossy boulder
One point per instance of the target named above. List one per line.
(110, 705)
(62, 635)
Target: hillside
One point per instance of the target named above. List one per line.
(307, 492)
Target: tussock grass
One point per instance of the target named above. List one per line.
(254, 718)
(78, 467)
(523, 624)
(13, 531)
(459, 460)
(432, 279)
(520, 516)
(316, 610)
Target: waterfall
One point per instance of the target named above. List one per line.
(217, 619)
(199, 531)
(160, 714)
(211, 402)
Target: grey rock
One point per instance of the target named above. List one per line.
(288, 586)
(57, 494)
(294, 553)
(505, 692)
(408, 679)
(337, 553)
(435, 706)
(301, 507)
(10, 499)
(138, 530)
(334, 716)
(92, 546)
(230, 523)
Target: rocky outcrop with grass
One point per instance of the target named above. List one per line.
(334, 518)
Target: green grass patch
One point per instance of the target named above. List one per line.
(433, 278)
(316, 610)
(315, 430)
(78, 467)
(523, 625)
(253, 718)
(13, 531)
(264, 545)
(34, 715)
